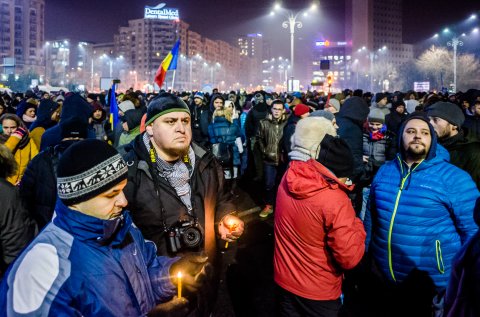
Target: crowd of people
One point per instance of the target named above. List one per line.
(366, 191)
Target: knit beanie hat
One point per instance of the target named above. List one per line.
(447, 111)
(323, 113)
(336, 155)
(309, 132)
(165, 103)
(379, 96)
(334, 103)
(376, 115)
(199, 95)
(301, 109)
(82, 176)
(126, 105)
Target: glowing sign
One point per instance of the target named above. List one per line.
(327, 43)
(159, 12)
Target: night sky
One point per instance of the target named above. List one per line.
(98, 20)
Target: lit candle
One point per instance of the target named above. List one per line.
(231, 226)
(179, 284)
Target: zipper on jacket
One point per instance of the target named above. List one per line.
(438, 254)
(392, 220)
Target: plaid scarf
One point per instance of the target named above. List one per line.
(177, 174)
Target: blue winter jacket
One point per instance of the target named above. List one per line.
(78, 267)
(222, 131)
(418, 218)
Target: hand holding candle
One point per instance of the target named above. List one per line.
(230, 228)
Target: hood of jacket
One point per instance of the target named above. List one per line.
(306, 179)
(75, 106)
(44, 114)
(354, 108)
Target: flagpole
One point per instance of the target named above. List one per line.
(173, 79)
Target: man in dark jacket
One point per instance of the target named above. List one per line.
(201, 118)
(39, 183)
(447, 119)
(254, 116)
(16, 227)
(472, 123)
(350, 120)
(269, 138)
(73, 106)
(176, 192)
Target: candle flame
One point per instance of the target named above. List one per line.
(179, 275)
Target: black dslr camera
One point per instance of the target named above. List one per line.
(184, 234)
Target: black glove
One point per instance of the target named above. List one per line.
(195, 270)
(173, 308)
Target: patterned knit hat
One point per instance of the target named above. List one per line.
(87, 169)
(165, 103)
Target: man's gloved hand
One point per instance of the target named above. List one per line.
(195, 270)
(20, 133)
(173, 308)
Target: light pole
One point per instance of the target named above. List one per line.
(455, 42)
(291, 23)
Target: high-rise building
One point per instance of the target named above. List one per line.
(374, 29)
(22, 36)
(144, 43)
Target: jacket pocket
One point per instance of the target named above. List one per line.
(438, 254)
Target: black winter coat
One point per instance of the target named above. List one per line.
(209, 200)
(38, 188)
(465, 154)
(288, 131)
(201, 119)
(350, 121)
(16, 227)
(254, 116)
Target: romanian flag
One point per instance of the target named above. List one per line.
(113, 107)
(169, 63)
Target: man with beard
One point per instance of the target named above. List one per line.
(176, 192)
(447, 119)
(419, 215)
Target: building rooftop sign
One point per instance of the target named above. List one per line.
(159, 12)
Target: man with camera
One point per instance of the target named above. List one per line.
(176, 191)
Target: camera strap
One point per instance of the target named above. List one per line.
(156, 182)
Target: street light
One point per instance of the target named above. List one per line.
(455, 42)
(291, 23)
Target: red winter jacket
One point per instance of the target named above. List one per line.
(317, 234)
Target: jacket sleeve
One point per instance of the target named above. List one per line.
(211, 134)
(159, 271)
(12, 143)
(463, 195)
(345, 233)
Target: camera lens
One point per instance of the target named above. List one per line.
(192, 237)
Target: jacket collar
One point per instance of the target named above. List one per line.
(88, 228)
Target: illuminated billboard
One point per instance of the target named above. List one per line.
(159, 12)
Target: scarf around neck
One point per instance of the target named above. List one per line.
(177, 174)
